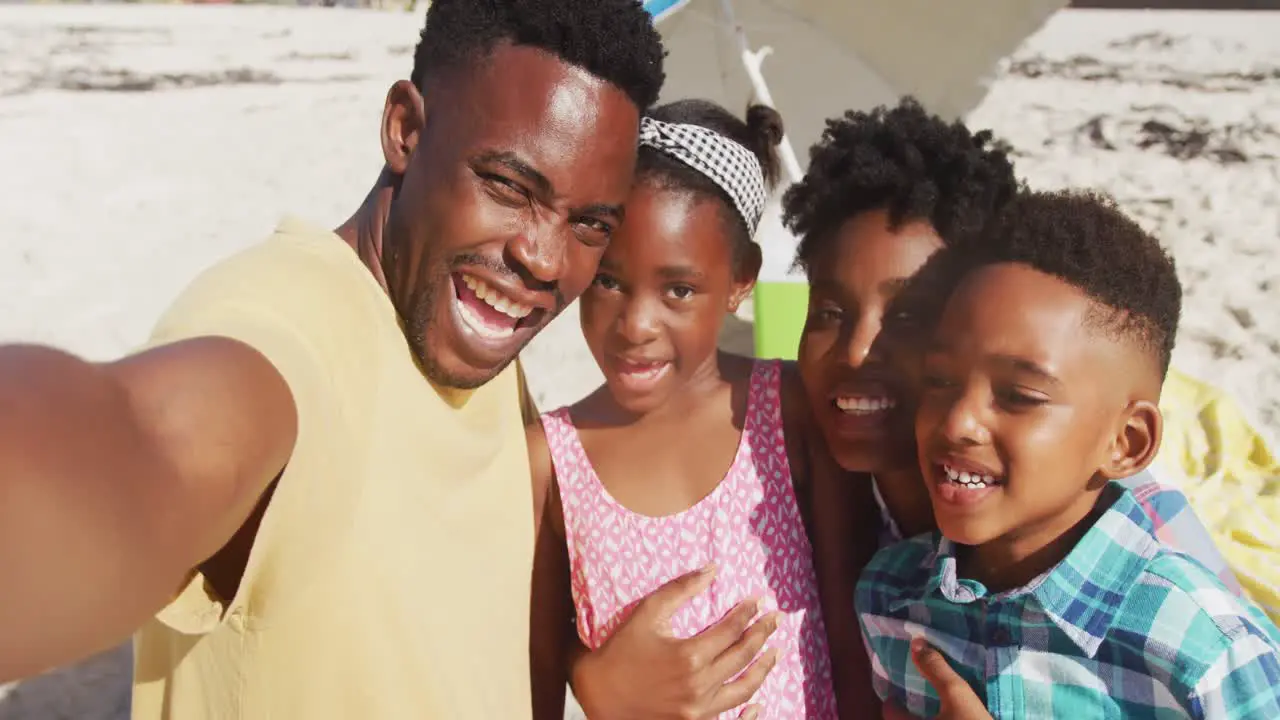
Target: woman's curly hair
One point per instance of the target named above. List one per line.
(906, 161)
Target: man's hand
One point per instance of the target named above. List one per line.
(644, 671)
(959, 701)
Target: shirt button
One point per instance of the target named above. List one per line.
(1001, 636)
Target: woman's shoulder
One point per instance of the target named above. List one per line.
(791, 383)
(796, 418)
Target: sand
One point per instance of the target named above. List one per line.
(140, 144)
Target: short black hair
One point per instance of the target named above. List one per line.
(760, 133)
(612, 39)
(902, 159)
(1085, 240)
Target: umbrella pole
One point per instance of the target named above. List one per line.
(781, 300)
(752, 60)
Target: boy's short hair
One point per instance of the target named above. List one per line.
(1085, 240)
(612, 39)
(905, 160)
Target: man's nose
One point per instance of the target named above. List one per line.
(540, 249)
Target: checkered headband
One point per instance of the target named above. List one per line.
(730, 165)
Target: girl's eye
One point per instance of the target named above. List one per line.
(681, 292)
(605, 282)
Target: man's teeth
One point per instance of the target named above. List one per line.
(969, 480)
(495, 299)
(865, 405)
(482, 327)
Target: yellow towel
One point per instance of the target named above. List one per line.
(1231, 478)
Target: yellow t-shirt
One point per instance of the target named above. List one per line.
(390, 574)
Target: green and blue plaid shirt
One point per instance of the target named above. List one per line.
(1124, 627)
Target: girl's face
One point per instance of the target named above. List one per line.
(858, 356)
(652, 317)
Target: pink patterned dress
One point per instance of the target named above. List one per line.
(749, 525)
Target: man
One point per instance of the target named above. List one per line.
(311, 491)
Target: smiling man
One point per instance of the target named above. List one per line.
(311, 490)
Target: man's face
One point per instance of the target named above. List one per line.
(508, 200)
(1023, 401)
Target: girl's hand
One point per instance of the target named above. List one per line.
(959, 701)
(643, 671)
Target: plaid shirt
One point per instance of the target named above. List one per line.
(1124, 627)
(1176, 524)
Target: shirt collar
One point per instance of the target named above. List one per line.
(1083, 594)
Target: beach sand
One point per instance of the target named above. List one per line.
(139, 144)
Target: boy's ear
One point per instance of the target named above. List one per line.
(748, 271)
(1135, 445)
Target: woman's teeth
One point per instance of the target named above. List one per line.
(973, 481)
(858, 405)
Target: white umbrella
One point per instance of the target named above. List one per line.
(825, 57)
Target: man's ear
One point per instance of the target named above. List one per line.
(748, 271)
(403, 118)
(1136, 442)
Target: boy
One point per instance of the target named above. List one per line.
(1047, 587)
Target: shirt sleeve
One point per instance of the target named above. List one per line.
(1243, 684)
(1178, 526)
(301, 310)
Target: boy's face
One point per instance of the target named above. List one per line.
(1027, 409)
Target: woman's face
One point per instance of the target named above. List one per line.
(859, 353)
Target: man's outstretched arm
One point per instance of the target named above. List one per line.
(117, 480)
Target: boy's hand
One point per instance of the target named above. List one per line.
(643, 671)
(959, 701)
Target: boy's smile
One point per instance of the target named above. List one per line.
(964, 483)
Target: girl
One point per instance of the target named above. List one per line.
(687, 455)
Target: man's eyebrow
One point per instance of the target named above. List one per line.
(519, 166)
(618, 212)
(542, 184)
